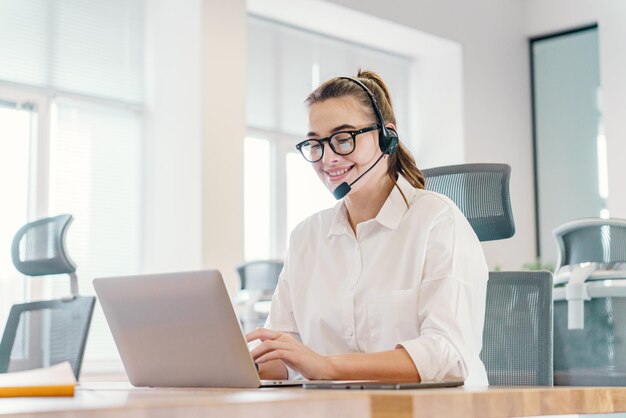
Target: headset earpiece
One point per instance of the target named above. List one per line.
(388, 141)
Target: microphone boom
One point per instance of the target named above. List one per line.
(344, 188)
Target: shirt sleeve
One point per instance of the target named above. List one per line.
(281, 317)
(451, 305)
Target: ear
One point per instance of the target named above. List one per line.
(392, 127)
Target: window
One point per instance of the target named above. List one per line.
(284, 65)
(17, 123)
(257, 174)
(77, 69)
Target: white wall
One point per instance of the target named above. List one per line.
(223, 131)
(195, 127)
(173, 142)
(496, 95)
(544, 17)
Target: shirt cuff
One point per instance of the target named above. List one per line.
(434, 360)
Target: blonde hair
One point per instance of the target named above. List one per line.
(401, 161)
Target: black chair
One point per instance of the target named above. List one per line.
(517, 335)
(44, 333)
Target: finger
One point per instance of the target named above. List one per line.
(267, 346)
(262, 334)
(280, 354)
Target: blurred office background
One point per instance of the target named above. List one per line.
(167, 128)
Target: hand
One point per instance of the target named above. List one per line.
(277, 345)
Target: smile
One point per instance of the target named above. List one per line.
(339, 172)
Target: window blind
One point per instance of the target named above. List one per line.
(285, 64)
(95, 175)
(88, 47)
(79, 52)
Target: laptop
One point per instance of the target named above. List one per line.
(178, 330)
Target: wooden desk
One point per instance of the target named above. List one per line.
(121, 400)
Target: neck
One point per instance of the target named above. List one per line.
(365, 203)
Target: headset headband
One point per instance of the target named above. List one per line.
(387, 142)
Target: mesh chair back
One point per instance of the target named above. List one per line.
(591, 240)
(45, 333)
(481, 191)
(38, 247)
(517, 337)
(260, 275)
(596, 354)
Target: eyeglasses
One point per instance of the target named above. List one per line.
(342, 143)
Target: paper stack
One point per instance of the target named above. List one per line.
(56, 380)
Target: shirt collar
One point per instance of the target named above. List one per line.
(340, 224)
(390, 215)
(392, 212)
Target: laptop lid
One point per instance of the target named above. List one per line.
(177, 330)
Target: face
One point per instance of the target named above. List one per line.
(344, 114)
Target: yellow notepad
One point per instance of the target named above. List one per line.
(56, 380)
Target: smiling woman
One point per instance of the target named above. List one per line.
(284, 64)
(390, 283)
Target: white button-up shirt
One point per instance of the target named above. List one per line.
(414, 277)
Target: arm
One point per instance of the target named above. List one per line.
(282, 347)
(450, 313)
(451, 301)
(385, 365)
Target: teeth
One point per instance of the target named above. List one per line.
(338, 173)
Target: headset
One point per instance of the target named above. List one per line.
(387, 141)
(387, 138)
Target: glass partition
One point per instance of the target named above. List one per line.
(570, 148)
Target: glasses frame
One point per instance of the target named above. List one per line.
(328, 139)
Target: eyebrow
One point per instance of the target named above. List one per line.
(337, 129)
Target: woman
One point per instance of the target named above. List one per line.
(389, 284)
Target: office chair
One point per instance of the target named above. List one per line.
(44, 333)
(591, 240)
(259, 279)
(590, 310)
(517, 334)
(481, 191)
(517, 337)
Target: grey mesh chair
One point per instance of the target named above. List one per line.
(517, 335)
(591, 240)
(260, 274)
(481, 191)
(44, 333)
(258, 279)
(589, 343)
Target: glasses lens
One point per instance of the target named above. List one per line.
(343, 143)
(311, 150)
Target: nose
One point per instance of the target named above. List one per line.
(329, 156)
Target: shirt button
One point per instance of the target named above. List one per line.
(350, 333)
